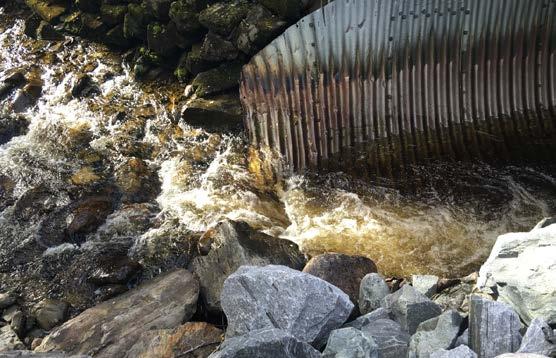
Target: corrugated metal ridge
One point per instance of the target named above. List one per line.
(376, 85)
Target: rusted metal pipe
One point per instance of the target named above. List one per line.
(377, 85)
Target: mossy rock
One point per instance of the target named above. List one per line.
(222, 112)
(181, 72)
(115, 37)
(285, 9)
(136, 21)
(113, 14)
(217, 80)
(83, 24)
(48, 10)
(185, 15)
(195, 63)
(161, 39)
(254, 35)
(92, 6)
(217, 49)
(158, 8)
(224, 17)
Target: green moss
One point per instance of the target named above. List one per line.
(223, 17)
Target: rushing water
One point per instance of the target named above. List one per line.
(446, 226)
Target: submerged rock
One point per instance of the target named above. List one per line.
(271, 342)
(350, 342)
(372, 291)
(230, 245)
(11, 127)
(279, 297)
(437, 333)
(392, 341)
(343, 271)
(493, 328)
(521, 269)
(410, 308)
(114, 326)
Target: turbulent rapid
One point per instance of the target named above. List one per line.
(126, 147)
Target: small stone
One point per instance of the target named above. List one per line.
(437, 333)
(426, 284)
(50, 313)
(366, 319)
(410, 307)
(350, 342)
(392, 341)
(372, 291)
(459, 352)
(493, 328)
(539, 339)
(278, 297)
(342, 271)
(6, 300)
(9, 340)
(269, 342)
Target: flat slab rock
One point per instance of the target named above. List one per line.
(111, 328)
(265, 343)
(274, 296)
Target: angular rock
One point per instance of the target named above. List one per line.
(520, 355)
(493, 328)
(269, 342)
(280, 297)
(84, 86)
(463, 339)
(161, 39)
(116, 37)
(217, 80)
(136, 21)
(343, 271)
(350, 342)
(459, 352)
(193, 339)
(366, 319)
(454, 297)
(6, 300)
(185, 14)
(521, 269)
(18, 323)
(159, 8)
(9, 339)
(410, 308)
(114, 326)
(437, 333)
(230, 245)
(426, 284)
(216, 49)
(9, 313)
(539, 339)
(50, 313)
(223, 17)
(257, 30)
(193, 62)
(113, 14)
(392, 341)
(372, 290)
(48, 10)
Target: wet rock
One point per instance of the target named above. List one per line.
(116, 37)
(493, 328)
(372, 290)
(114, 326)
(521, 269)
(279, 297)
(343, 271)
(6, 300)
(162, 39)
(426, 284)
(48, 10)
(223, 17)
(27, 96)
(50, 313)
(84, 24)
(350, 342)
(113, 14)
(193, 62)
(84, 86)
(9, 339)
(31, 25)
(216, 49)
(221, 112)
(285, 9)
(258, 29)
(185, 14)
(217, 80)
(230, 245)
(194, 339)
(136, 21)
(47, 32)
(269, 342)
(539, 339)
(7, 186)
(392, 341)
(138, 181)
(366, 319)
(437, 333)
(114, 271)
(13, 80)
(459, 352)
(410, 308)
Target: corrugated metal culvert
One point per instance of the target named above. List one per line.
(376, 85)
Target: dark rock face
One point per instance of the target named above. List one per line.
(279, 297)
(223, 17)
(343, 271)
(114, 326)
(269, 342)
(493, 328)
(232, 244)
(392, 341)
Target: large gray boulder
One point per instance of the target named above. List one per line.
(539, 339)
(493, 328)
(521, 268)
(426, 284)
(232, 244)
(112, 327)
(366, 319)
(392, 341)
(437, 333)
(265, 343)
(372, 290)
(459, 352)
(274, 296)
(410, 307)
(350, 342)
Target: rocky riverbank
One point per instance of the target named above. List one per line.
(337, 306)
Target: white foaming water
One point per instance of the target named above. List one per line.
(207, 177)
